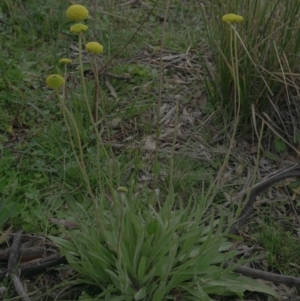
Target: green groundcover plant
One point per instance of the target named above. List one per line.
(256, 58)
(135, 253)
(134, 249)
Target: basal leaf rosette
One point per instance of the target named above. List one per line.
(94, 47)
(77, 12)
(54, 81)
(232, 18)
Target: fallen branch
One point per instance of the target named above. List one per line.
(14, 254)
(292, 171)
(38, 266)
(12, 270)
(272, 277)
(26, 253)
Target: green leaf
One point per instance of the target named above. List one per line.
(159, 293)
(150, 274)
(114, 278)
(236, 284)
(141, 293)
(141, 270)
(279, 144)
(156, 167)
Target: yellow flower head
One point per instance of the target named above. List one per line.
(94, 47)
(78, 28)
(122, 189)
(65, 61)
(77, 12)
(232, 18)
(54, 81)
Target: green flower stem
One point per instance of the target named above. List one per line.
(237, 101)
(237, 79)
(255, 65)
(171, 186)
(90, 114)
(88, 107)
(82, 76)
(64, 86)
(122, 204)
(160, 88)
(237, 92)
(98, 89)
(70, 136)
(80, 161)
(97, 93)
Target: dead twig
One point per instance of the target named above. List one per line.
(249, 272)
(12, 271)
(38, 266)
(118, 76)
(14, 254)
(26, 253)
(2, 290)
(290, 172)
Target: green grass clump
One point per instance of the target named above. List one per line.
(256, 59)
(282, 247)
(81, 141)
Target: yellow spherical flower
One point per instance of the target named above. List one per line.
(77, 12)
(94, 47)
(78, 28)
(122, 189)
(232, 18)
(55, 81)
(65, 61)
